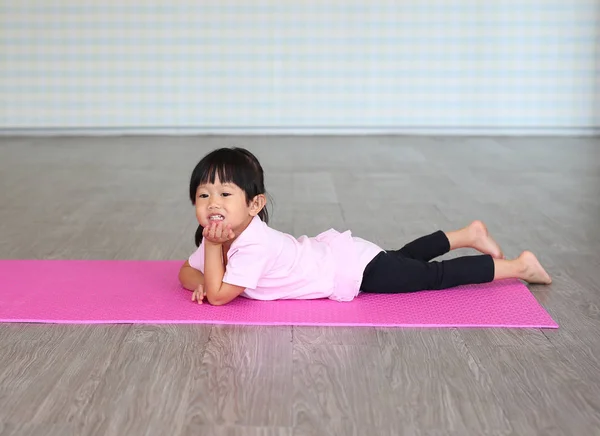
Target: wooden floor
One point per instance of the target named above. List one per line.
(127, 198)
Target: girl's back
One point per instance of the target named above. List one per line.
(272, 265)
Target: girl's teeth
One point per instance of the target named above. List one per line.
(216, 217)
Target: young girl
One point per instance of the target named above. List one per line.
(238, 254)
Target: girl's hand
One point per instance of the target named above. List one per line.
(217, 234)
(199, 294)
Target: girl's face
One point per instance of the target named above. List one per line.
(225, 203)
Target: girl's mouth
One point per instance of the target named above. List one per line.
(216, 217)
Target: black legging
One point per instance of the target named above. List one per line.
(409, 269)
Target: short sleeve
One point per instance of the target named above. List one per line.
(196, 260)
(246, 265)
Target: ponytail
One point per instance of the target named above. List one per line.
(198, 236)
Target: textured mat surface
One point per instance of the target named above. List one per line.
(83, 291)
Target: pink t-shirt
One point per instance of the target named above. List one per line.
(273, 265)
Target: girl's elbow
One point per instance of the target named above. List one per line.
(218, 298)
(215, 301)
(183, 280)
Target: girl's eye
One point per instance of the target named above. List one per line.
(203, 196)
(226, 194)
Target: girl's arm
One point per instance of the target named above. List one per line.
(190, 277)
(217, 292)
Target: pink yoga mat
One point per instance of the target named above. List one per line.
(83, 291)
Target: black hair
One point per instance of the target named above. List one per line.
(232, 165)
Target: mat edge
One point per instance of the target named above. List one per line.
(150, 322)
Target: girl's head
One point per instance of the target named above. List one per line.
(228, 185)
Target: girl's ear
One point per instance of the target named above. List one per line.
(257, 204)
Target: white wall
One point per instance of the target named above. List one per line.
(371, 65)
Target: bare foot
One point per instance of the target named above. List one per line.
(482, 240)
(533, 272)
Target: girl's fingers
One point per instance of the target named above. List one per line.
(217, 232)
(198, 294)
(201, 294)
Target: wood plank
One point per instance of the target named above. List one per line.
(341, 388)
(244, 378)
(437, 384)
(539, 390)
(35, 371)
(146, 388)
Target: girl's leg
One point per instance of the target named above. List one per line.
(475, 235)
(426, 247)
(389, 274)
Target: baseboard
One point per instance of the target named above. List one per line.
(304, 131)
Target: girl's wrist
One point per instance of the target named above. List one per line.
(209, 243)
